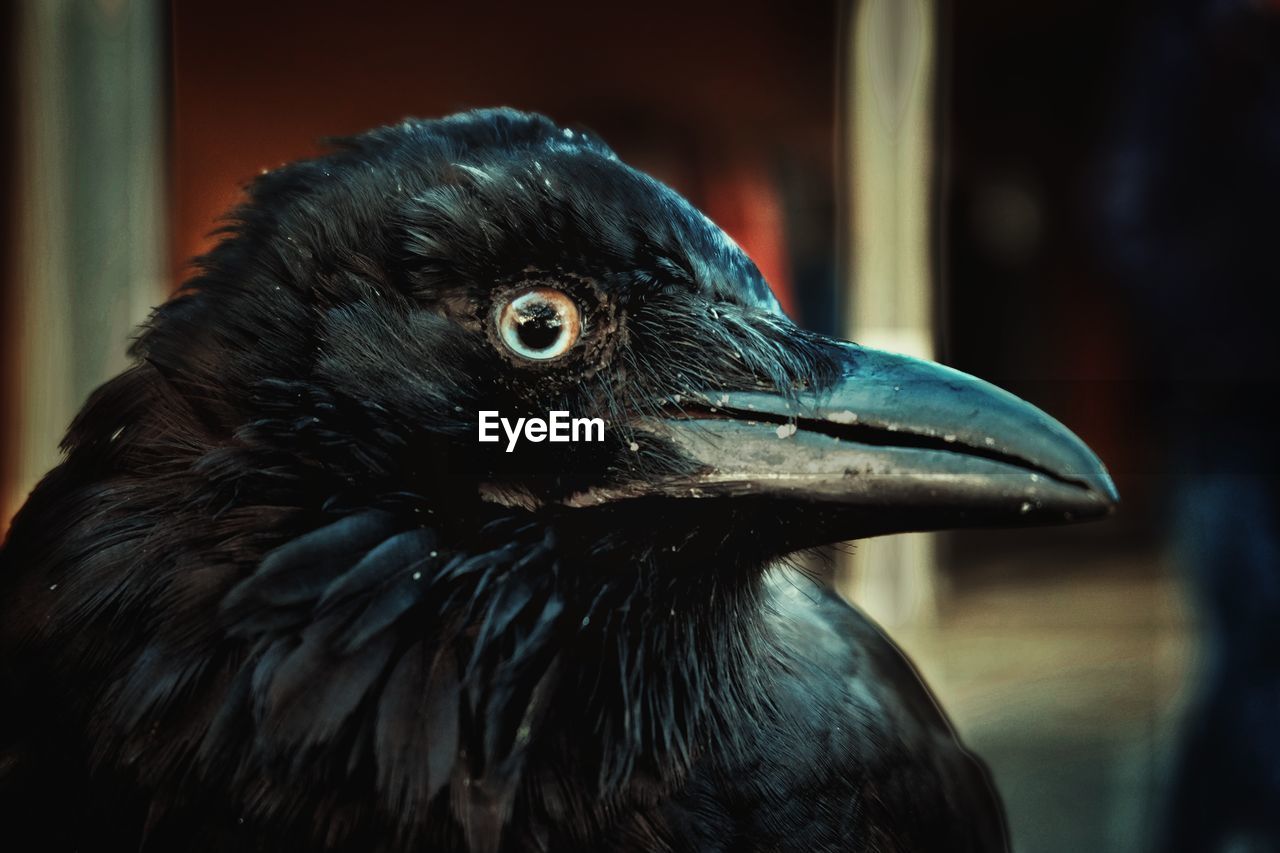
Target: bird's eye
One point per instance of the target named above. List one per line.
(540, 323)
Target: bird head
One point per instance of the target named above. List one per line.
(371, 304)
(310, 406)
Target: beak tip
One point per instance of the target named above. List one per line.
(1112, 496)
(1110, 504)
(1103, 487)
(1100, 497)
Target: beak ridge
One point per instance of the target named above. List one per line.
(900, 443)
(926, 402)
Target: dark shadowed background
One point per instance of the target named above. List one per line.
(1098, 181)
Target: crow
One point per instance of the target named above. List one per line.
(279, 596)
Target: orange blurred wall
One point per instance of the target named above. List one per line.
(705, 96)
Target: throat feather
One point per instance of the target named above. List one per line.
(486, 662)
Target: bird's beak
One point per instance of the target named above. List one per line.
(896, 444)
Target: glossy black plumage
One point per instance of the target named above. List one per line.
(279, 598)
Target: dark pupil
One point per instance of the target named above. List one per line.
(539, 327)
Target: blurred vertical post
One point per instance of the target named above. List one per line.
(888, 114)
(90, 225)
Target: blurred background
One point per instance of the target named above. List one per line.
(1074, 200)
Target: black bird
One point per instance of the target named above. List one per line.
(279, 597)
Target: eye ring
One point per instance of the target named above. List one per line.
(539, 324)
